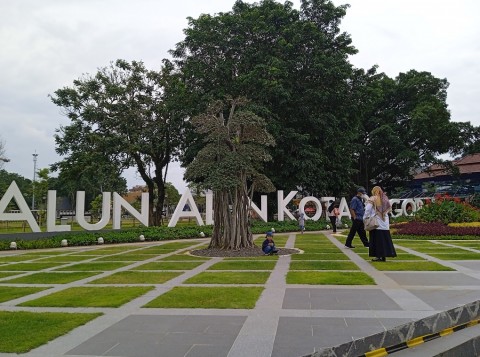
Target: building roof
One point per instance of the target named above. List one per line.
(466, 165)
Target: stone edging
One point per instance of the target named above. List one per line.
(409, 334)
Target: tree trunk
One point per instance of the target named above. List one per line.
(231, 229)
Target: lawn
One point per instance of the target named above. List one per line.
(329, 278)
(229, 278)
(323, 265)
(169, 265)
(208, 298)
(243, 265)
(49, 278)
(8, 293)
(89, 297)
(137, 277)
(16, 328)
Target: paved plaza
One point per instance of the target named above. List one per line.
(287, 321)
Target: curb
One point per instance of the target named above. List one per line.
(419, 340)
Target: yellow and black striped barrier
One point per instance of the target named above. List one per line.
(418, 340)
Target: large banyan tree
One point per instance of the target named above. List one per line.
(231, 164)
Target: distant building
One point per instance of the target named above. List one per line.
(466, 182)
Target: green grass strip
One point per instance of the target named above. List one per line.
(229, 278)
(183, 257)
(329, 278)
(410, 266)
(261, 257)
(137, 277)
(322, 265)
(125, 258)
(90, 297)
(8, 293)
(187, 265)
(17, 258)
(400, 256)
(102, 266)
(6, 275)
(456, 256)
(320, 256)
(64, 259)
(49, 278)
(28, 266)
(208, 298)
(243, 265)
(23, 331)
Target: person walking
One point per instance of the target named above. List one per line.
(381, 244)
(333, 214)
(357, 210)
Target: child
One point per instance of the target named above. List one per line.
(301, 222)
(268, 245)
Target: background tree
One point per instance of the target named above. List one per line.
(89, 172)
(124, 116)
(172, 196)
(3, 159)
(230, 164)
(405, 126)
(293, 66)
(24, 184)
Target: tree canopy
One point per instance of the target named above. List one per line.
(231, 165)
(123, 116)
(293, 65)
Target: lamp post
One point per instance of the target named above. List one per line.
(4, 159)
(34, 178)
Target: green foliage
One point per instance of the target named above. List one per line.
(406, 125)
(86, 238)
(123, 116)
(475, 200)
(293, 66)
(208, 298)
(16, 328)
(447, 211)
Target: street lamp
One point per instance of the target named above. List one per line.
(34, 178)
(4, 159)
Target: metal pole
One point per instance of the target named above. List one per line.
(34, 178)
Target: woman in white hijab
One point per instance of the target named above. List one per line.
(381, 245)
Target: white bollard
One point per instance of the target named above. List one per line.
(13, 245)
(141, 238)
(64, 243)
(100, 240)
(202, 234)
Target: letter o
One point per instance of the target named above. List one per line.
(405, 204)
(317, 203)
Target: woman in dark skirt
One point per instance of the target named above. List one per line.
(380, 245)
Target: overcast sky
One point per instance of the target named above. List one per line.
(47, 44)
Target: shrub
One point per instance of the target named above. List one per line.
(447, 210)
(131, 235)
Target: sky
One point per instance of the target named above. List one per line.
(46, 45)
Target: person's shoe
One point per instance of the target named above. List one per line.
(267, 253)
(275, 252)
(377, 260)
(366, 245)
(349, 246)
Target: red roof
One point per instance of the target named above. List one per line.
(466, 165)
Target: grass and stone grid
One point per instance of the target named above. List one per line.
(82, 300)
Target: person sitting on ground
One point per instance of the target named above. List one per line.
(268, 245)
